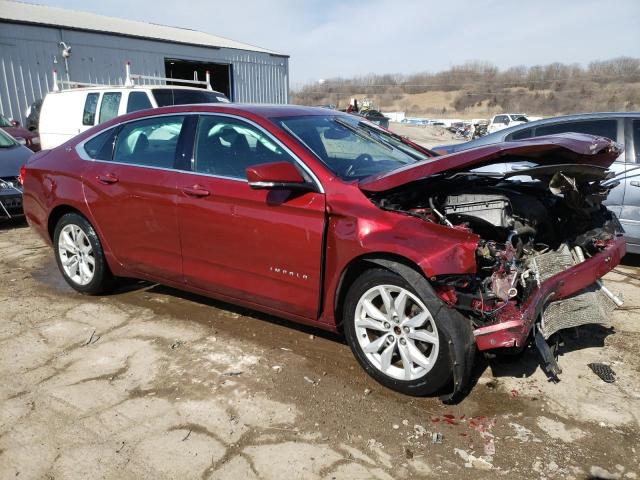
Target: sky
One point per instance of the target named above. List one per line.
(332, 38)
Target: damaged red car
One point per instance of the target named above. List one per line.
(326, 219)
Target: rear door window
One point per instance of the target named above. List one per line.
(138, 101)
(150, 142)
(501, 119)
(600, 128)
(90, 106)
(109, 106)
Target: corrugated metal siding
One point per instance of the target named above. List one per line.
(28, 54)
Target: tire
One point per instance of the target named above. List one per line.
(422, 377)
(75, 238)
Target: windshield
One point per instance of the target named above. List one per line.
(4, 121)
(519, 118)
(175, 96)
(6, 141)
(351, 148)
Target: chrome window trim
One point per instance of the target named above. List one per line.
(82, 153)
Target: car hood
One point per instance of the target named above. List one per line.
(543, 151)
(11, 159)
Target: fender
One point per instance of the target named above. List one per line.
(456, 328)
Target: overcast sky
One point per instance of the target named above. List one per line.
(329, 38)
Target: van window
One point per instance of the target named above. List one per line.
(601, 128)
(501, 119)
(109, 106)
(137, 101)
(90, 105)
(150, 142)
(100, 147)
(174, 96)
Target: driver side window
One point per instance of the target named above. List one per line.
(226, 146)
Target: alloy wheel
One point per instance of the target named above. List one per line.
(396, 332)
(76, 254)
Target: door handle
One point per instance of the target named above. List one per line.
(196, 191)
(107, 179)
(635, 183)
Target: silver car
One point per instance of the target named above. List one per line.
(624, 128)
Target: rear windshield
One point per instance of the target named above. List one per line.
(175, 96)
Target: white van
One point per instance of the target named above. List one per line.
(67, 113)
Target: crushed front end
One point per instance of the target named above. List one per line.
(544, 242)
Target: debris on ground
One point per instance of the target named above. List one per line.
(176, 344)
(232, 373)
(93, 338)
(604, 371)
(367, 391)
(437, 437)
(277, 368)
(312, 382)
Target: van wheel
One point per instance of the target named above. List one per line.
(394, 336)
(80, 256)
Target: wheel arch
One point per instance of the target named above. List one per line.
(357, 266)
(57, 213)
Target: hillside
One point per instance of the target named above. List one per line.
(481, 90)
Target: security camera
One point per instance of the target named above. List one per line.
(66, 50)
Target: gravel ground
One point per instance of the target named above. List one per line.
(153, 383)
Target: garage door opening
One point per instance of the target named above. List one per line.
(220, 73)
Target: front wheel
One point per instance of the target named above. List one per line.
(394, 336)
(79, 255)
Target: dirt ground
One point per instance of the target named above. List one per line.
(426, 135)
(153, 383)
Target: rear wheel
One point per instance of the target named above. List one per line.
(80, 256)
(393, 334)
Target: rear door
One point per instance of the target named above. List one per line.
(630, 212)
(261, 246)
(130, 189)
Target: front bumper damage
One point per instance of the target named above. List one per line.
(559, 300)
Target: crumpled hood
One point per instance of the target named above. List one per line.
(546, 150)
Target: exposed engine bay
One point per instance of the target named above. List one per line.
(531, 227)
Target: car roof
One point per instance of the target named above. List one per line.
(262, 109)
(500, 135)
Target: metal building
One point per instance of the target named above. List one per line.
(89, 48)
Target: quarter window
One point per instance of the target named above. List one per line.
(137, 101)
(109, 106)
(526, 133)
(226, 147)
(150, 142)
(90, 105)
(100, 147)
(600, 128)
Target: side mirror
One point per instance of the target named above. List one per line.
(276, 176)
(15, 123)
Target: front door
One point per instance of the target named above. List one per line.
(261, 246)
(133, 197)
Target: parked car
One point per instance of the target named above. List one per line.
(13, 156)
(66, 113)
(500, 122)
(324, 218)
(624, 199)
(21, 135)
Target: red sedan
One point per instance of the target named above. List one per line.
(326, 219)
